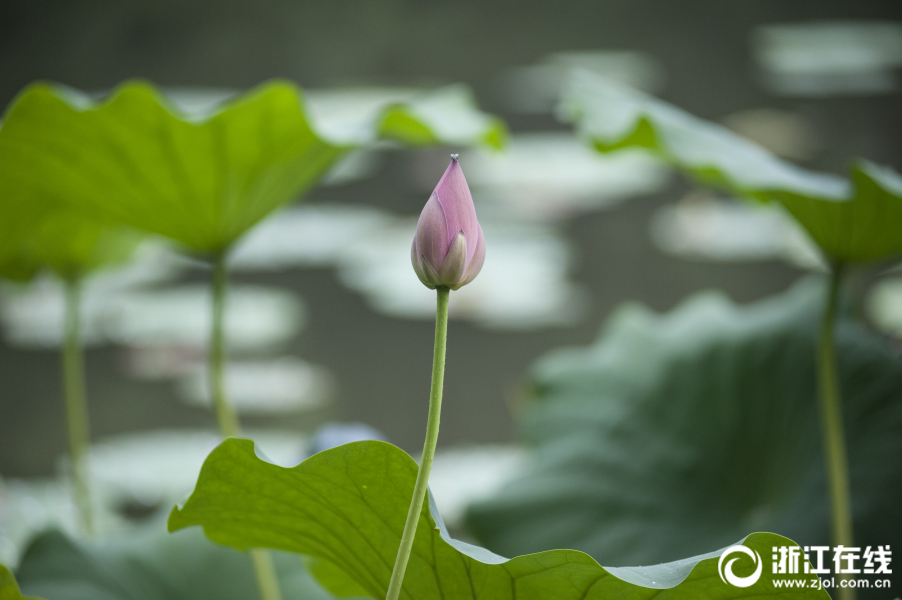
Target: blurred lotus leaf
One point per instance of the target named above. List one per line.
(674, 433)
(345, 508)
(856, 221)
(201, 179)
(446, 115)
(9, 589)
(152, 565)
(38, 232)
(67, 243)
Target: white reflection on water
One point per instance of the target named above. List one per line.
(164, 329)
(157, 469)
(32, 314)
(286, 384)
(523, 285)
(352, 115)
(312, 236)
(199, 102)
(703, 227)
(544, 176)
(461, 476)
(537, 88)
(153, 469)
(884, 306)
(256, 317)
(830, 57)
(347, 115)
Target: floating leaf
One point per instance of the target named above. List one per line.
(152, 565)
(346, 507)
(444, 116)
(850, 222)
(675, 433)
(9, 589)
(202, 179)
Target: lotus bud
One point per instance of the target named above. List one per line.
(449, 248)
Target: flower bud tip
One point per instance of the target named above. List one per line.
(454, 157)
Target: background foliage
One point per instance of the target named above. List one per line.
(691, 427)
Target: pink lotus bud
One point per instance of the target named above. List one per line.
(449, 248)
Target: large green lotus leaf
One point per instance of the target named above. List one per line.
(40, 235)
(866, 226)
(9, 589)
(67, 243)
(851, 222)
(42, 232)
(18, 218)
(201, 179)
(152, 565)
(132, 158)
(346, 508)
(691, 427)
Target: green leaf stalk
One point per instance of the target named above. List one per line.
(229, 426)
(432, 423)
(76, 403)
(834, 439)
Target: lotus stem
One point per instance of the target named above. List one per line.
(432, 423)
(76, 403)
(265, 570)
(228, 420)
(229, 426)
(833, 431)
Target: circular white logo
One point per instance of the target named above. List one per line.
(726, 571)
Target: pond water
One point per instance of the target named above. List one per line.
(328, 322)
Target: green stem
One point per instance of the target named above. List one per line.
(228, 420)
(435, 409)
(76, 403)
(833, 431)
(267, 581)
